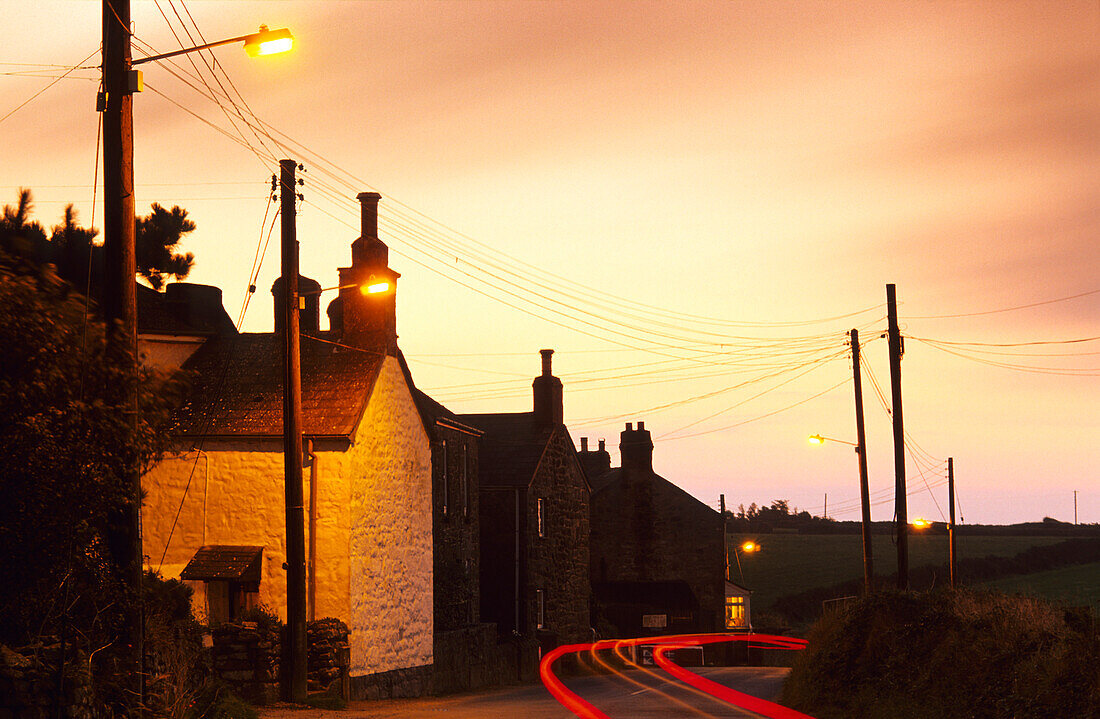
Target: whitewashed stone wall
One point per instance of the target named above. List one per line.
(374, 524)
(391, 533)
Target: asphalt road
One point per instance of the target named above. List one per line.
(632, 695)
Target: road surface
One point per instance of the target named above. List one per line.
(635, 694)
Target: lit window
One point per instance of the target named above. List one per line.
(735, 612)
(541, 518)
(540, 597)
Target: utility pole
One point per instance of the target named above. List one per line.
(825, 512)
(861, 453)
(725, 537)
(119, 303)
(902, 521)
(951, 525)
(294, 652)
(1075, 507)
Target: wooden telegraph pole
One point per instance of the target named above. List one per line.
(861, 453)
(119, 298)
(294, 651)
(901, 514)
(951, 524)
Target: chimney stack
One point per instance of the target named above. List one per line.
(367, 321)
(309, 304)
(596, 464)
(548, 395)
(636, 449)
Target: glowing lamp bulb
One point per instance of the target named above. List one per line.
(750, 547)
(817, 439)
(921, 523)
(268, 42)
(375, 288)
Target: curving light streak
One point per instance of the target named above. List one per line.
(583, 709)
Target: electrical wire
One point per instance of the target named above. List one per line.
(32, 98)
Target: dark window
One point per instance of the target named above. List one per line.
(446, 490)
(464, 485)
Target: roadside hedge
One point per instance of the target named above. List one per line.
(949, 654)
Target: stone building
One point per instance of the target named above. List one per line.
(534, 520)
(454, 515)
(215, 514)
(657, 560)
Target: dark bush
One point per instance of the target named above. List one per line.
(948, 654)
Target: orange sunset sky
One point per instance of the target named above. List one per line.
(691, 202)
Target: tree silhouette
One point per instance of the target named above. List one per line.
(158, 234)
(70, 247)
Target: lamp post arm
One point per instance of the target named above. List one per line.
(208, 45)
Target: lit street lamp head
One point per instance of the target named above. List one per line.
(750, 547)
(817, 439)
(921, 523)
(375, 288)
(268, 42)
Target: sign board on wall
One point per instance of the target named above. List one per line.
(654, 621)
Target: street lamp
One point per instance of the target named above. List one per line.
(746, 547)
(263, 42)
(864, 494)
(373, 286)
(115, 102)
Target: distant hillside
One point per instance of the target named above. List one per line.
(1036, 560)
(789, 564)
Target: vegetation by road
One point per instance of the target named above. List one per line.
(949, 654)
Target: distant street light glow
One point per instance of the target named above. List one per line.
(817, 439)
(750, 547)
(919, 523)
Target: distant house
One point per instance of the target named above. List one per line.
(657, 560)
(534, 520)
(214, 513)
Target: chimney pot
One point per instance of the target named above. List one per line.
(584, 444)
(546, 361)
(368, 213)
(629, 426)
(603, 443)
(641, 426)
(548, 394)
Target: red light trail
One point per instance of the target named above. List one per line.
(585, 710)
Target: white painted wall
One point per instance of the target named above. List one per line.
(374, 524)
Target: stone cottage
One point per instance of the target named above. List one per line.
(657, 561)
(214, 513)
(534, 520)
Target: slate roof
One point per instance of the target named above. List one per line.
(432, 412)
(510, 449)
(219, 561)
(606, 479)
(237, 386)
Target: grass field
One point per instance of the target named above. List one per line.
(792, 563)
(1078, 585)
